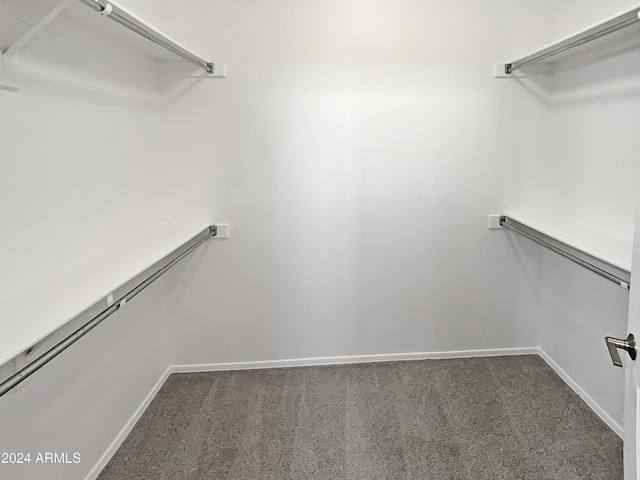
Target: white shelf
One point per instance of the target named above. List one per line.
(607, 248)
(39, 26)
(32, 315)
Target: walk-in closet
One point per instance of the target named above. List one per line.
(346, 239)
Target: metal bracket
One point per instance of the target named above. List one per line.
(217, 69)
(613, 344)
(499, 71)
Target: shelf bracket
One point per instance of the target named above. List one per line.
(7, 81)
(36, 29)
(503, 70)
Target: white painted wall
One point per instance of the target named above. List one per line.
(355, 184)
(80, 172)
(356, 149)
(79, 159)
(588, 175)
(82, 399)
(592, 112)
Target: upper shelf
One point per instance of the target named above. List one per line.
(32, 315)
(611, 25)
(97, 24)
(136, 24)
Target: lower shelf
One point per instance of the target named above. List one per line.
(35, 320)
(606, 255)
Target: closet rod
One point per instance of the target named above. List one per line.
(545, 241)
(130, 21)
(605, 28)
(57, 349)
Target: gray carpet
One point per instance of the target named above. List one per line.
(480, 418)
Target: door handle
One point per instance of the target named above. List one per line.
(613, 344)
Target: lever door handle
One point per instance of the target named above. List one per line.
(613, 344)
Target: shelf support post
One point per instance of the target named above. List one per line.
(7, 81)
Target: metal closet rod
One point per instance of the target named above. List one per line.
(586, 36)
(621, 282)
(60, 347)
(124, 18)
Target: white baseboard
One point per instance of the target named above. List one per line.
(606, 418)
(126, 430)
(386, 357)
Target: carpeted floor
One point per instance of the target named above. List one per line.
(480, 418)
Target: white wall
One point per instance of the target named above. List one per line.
(588, 175)
(79, 174)
(593, 109)
(82, 399)
(357, 169)
(79, 163)
(356, 149)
